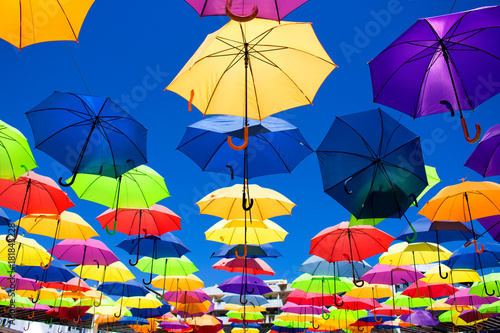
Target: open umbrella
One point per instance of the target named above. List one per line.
(240, 284)
(234, 298)
(27, 251)
(205, 324)
(368, 165)
(315, 265)
(455, 275)
(420, 317)
(247, 265)
(15, 153)
(239, 231)
(55, 272)
(178, 282)
(166, 266)
(485, 157)
(438, 63)
(253, 251)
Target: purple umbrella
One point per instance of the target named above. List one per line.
(242, 283)
(470, 316)
(420, 317)
(492, 226)
(244, 10)
(304, 309)
(441, 64)
(485, 159)
(462, 297)
(173, 325)
(21, 283)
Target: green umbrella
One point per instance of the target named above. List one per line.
(432, 179)
(166, 266)
(324, 284)
(19, 302)
(60, 302)
(292, 324)
(490, 283)
(140, 187)
(349, 314)
(408, 302)
(246, 315)
(370, 221)
(5, 269)
(15, 154)
(490, 308)
(451, 317)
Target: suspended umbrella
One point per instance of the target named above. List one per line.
(240, 284)
(303, 309)
(140, 187)
(301, 297)
(166, 266)
(462, 297)
(178, 282)
(140, 302)
(193, 309)
(322, 284)
(389, 310)
(234, 298)
(342, 242)
(315, 265)
(455, 275)
(20, 283)
(63, 226)
(291, 323)
(253, 251)
(363, 298)
(369, 171)
(247, 265)
(434, 290)
(484, 158)
(427, 69)
(155, 220)
(420, 317)
(175, 298)
(17, 302)
(464, 202)
(391, 275)
(205, 324)
(15, 154)
(408, 302)
(247, 315)
(492, 226)
(67, 287)
(255, 232)
(490, 282)
(57, 272)
(174, 326)
(275, 146)
(27, 251)
(475, 316)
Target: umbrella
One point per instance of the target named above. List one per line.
(177, 282)
(140, 187)
(391, 275)
(431, 290)
(98, 136)
(303, 309)
(115, 272)
(455, 275)
(239, 231)
(42, 22)
(239, 284)
(176, 298)
(492, 225)
(464, 202)
(246, 10)
(315, 265)
(428, 69)
(247, 315)
(166, 245)
(485, 158)
(55, 272)
(205, 324)
(420, 317)
(185, 310)
(342, 242)
(15, 153)
(27, 251)
(166, 266)
(301, 297)
(256, 300)
(20, 283)
(372, 165)
(274, 146)
(150, 312)
(123, 289)
(174, 326)
(462, 297)
(247, 265)
(253, 251)
(475, 316)
(388, 310)
(490, 282)
(322, 284)
(155, 220)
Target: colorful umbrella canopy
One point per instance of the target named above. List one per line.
(303, 309)
(369, 171)
(21, 283)
(205, 324)
(322, 284)
(413, 254)
(275, 146)
(155, 220)
(193, 309)
(233, 298)
(128, 288)
(175, 298)
(227, 203)
(56, 272)
(408, 302)
(246, 315)
(27, 251)
(17, 301)
(177, 282)
(485, 157)
(492, 226)
(462, 297)
(27, 23)
(255, 232)
(470, 316)
(370, 291)
(166, 266)
(269, 51)
(246, 265)
(420, 317)
(140, 302)
(455, 275)
(15, 153)
(387, 310)
(241, 283)
(428, 66)
(490, 282)
(301, 297)
(253, 251)
(84, 252)
(391, 275)
(115, 272)
(315, 265)
(434, 290)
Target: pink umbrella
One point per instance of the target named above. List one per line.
(353, 303)
(462, 297)
(304, 309)
(254, 266)
(20, 283)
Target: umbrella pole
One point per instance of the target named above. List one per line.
(416, 276)
(81, 270)
(53, 243)
(112, 232)
(352, 261)
(482, 274)
(138, 240)
(21, 213)
(472, 227)
(439, 259)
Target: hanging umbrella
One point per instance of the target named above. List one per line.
(21, 283)
(176, 298)
(140, 187)
(166, 266)
(492, 225)
(391, 275)
(246, 316)
(205, 324)
(240, 284)
(390, 310)
(462, 297)
(431, 290)
(315, 265)
(342, 242)
(490, 282)
(27, 251)
(233, 298)
(247, 265)
(474, 316)
(174, 326)
(301, 297)
(303, 309)
(455, 275)
(178, 282)
(420, 317)
(99, 137)
(427, 70)
(240, 231)
(150, 312)
(155, 220)
(485, 158)
(274, 146)
(128, 288)
(56, 272)
(115, 272)
(15, 153)
(369, 172)
(490, 308)
(253, 251)
(186, 310)
(322, 284)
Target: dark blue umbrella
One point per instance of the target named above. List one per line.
(274, 146)
(371, 318)
(315, 265)
(150, 312)
(129, 288)
(372, 165)
(247, 325)
(4, 219)
(132, 321)
(166, 245)
(88, 134)
(56, 272)
(253, 251)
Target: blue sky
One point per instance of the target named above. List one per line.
(131, 50)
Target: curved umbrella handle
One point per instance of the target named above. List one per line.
(113, 231)
(345, 185)
(394, 309)
(358, 285)
(414, 234)
(434, 316)
(119, 313)
(190, 103)
(136, 260)
(46, 266)
(160, 296)
(478, 327)
(244, 203)
(339, 305)
(244, 253)
(313, 326)
(36, 301)
(78, 320)
(239, 18)
(150, 279)
(241, 301)
(461, 309)
(453, 329)
(362, 329)
(377, 319)
(27, 328)
(60, 181)
(245, 140)
(469, 243)
(49, 322)
(325, 315)
(486, 291)
(31, 315)
(6, 309)
(100, 302)
(246, 289)
(466, 131)
(418, 292)
(231, 169)
(441, 273)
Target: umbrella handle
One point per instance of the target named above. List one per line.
(60, 181)
(315, 327)
(434, 316)
(46, 266)
(245, 140)
(414, 234)
(441, 274)
(377, 319)
(468, 243)
(337, 304)
(160, 297)
(49, 322)
(345, 185)
(241, 300)
(232, 170)
(78, 320)
(38, 297)
(394, 309)
(136, 261)
(239, 18)
(356, 283)
(113, 231)
(453, 329)
(362, 329)
(31, 315)
(478, 328)
(244, 203)
(486, 291)
(27, 328)
(466, 131)
(246, 289)
(190, 103)
(325, 315)
(244, 253)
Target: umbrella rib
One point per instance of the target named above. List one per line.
(215, 151)
(261, 137)
(67, 20)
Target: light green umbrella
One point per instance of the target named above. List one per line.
(371, 221)
(245, 315)
(5, 269)
(15, 154)
(292, 324)
(324, 284)
(490, 286)
(432, 179)
(408, 302)
(490, 308)
(61, 302)
(166, 266)
(19, 302)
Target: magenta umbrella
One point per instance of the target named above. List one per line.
(21, 283)
(245, 10)
(462, 297)
(304, 309)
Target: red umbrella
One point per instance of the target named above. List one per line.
(301, 297)
(254, 266)
(68, 286)
(155, 220)
(73, 313)
(388, 310)
(248, 321)
(33, 194)
(353, 303)
(433, 290)
(342, 242)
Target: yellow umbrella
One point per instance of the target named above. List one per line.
(454, 275)
(370, 291)
(440, 305)
(254, 69)
(24, 22)
(227, 203)
(257, 232)
(178, 282)
(246, 308)
(35, 295)
(27, 251)
(286, 316)
(115, 272)
(140, 302)
(245, 330)
(413, 254)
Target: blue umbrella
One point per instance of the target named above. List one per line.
(166, 245)
(132, 321)
(371, 318)
(274, 146)
(372, 165)
(253, 251)
(4, 219)
(247, 325)
(150, 312)
(129, 288)
(255, 300)
(88, 134)
(56, 272)
(315, 265)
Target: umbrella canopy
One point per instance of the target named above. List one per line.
(420, 317)
(455, 275)
(470, 316)
(178, 282)
(430, 64)
(140, 302)
(462, 297)
(21, 283)
(23, 25)
(267, 50)
(239, 231)
(322, 284)
(492, 226)
(436, 232)
(246, 265)
(485, 158)
(227, 203)
(167, 266)
(370, 291)
(241, 284)
(233, 298)
(315, 265)
(369, 171)
(28, 251)
(55, 272)
(84, 252)
(128, 288)
(246, 315)
(253, 251)
(166, 245)
(175, 298)
(301, 297)
(388, 310)
(115, 272)
(434, 290)
(15, 153)
(303, 309)
(391, 275)
(155, 220)
(413, 254)
(275, 146)
(466, 257)
(205, 324)
(490, 282)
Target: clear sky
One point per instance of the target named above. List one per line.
(131, 50)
